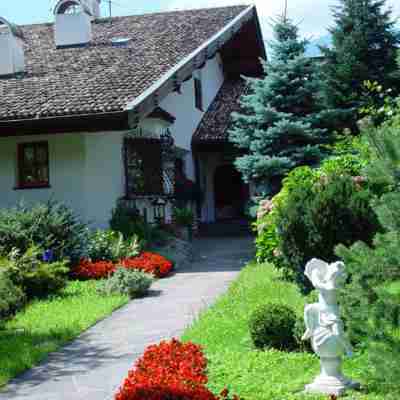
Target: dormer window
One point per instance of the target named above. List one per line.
(12, 59)
(73, 25)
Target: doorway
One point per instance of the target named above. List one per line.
(231, 193)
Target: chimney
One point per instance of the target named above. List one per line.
(73, 21)
(12, 58)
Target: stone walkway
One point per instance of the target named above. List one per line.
(93, 366)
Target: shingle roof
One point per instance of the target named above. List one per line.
(100, 77)
(216, 121)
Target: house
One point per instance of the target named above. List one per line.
(99, 110)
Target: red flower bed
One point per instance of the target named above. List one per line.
(93, 270)
(169, 371)
(151, 263)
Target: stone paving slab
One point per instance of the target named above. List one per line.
(94, 365)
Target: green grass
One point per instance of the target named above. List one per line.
(45, 325)
(252, 374)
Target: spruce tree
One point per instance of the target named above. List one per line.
(364, 48)
(279, 126)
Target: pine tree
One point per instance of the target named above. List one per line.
(370, 299)
(279, 127)
(364, 48)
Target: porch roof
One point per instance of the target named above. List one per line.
(217, 121)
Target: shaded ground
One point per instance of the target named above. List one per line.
(93, 366)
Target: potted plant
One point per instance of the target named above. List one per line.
(183, 219)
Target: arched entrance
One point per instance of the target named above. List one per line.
(231, 193)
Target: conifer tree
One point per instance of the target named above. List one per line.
(279, 126)
(364, 48)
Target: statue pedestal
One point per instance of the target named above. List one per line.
(331, 380)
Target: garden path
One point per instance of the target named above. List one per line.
(93, 366)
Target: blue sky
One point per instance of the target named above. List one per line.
(313, 16)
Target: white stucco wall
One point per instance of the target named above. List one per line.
(182, 105)
(85, 173)
(86, 170)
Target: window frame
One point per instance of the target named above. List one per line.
(198, 93)
(151, 167)
(21, 165)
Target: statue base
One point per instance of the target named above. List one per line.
(331, 380)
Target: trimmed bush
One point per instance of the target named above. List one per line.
(272, 326)
(50, 226)
(12, 298)
(314, 219)
(35, 277)
(130, 282)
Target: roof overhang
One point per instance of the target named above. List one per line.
(170, 81)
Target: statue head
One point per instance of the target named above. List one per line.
(325, 276)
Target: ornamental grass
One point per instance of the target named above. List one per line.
(169, 371)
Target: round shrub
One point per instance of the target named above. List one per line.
(51, 226)
(12, 298)
(128, 282)
(315, 219)
(37, 278)
(272, 326)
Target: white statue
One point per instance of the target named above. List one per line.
(325, 328)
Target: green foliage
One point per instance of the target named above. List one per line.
(280, 124)
(371, 298)
(272, 326)
(35, 277)
(364, 48)
(314, 219)
(132, 283)
(45, 325)
(12, 298)
(267, 240)
(49, 225)
(183, 216)
(109, 245)
(130, 224)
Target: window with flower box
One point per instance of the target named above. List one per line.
(33, 165)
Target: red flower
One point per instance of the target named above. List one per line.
(149, 262)
(169, 371)
(93, 270)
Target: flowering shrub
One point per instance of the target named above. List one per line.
(169, 371)
(151, 263)
(94, 270)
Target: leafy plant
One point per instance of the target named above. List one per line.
(183, 216)
(272, 326)
(12, 298)
(35, 277)
(133, 283)
(108, 245)
(49, 225)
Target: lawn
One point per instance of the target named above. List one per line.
(46, 325)
(253, 374)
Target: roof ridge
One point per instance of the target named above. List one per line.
(118, 17)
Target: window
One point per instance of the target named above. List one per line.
(33, 165)
(143, 166)
(198, 93)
